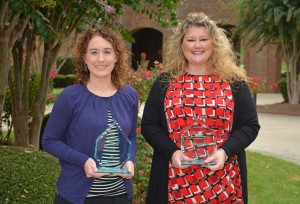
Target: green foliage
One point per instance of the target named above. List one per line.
(142, 81)
(143, 78)
(269, 20)
(62, 81)
(6, 119)
(142, 170)
(27, 176)
(34, 85)
(272, 180)
(56, 92)
(283, 88)
(142, 167)
(38, 19)
(275, 21)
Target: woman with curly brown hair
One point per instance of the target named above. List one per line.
(99, 104)
(202, 96)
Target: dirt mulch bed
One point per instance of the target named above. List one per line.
(280, 108)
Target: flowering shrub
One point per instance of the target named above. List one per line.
(53, 74)
(142, 170)
(256, 85)
(50, 96)
(143, 78)
(142, 167)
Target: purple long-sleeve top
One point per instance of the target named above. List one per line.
(78, 117)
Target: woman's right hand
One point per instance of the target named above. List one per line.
(91, 170)
(177, 157)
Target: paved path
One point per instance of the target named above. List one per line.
(279, 135)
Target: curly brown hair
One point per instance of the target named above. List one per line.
(119, 73)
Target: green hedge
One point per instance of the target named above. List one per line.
(62, 81)
(27, 176)
(283, 89)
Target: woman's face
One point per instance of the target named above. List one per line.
(197, 48)
(100, 57)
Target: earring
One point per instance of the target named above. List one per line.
(85, 68)
(116, 66)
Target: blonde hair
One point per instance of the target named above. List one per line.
(119, 73)
(223, 61)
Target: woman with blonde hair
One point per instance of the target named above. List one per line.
(203, 84)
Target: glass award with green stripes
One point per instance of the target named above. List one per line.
(112, 150)
(197, 141)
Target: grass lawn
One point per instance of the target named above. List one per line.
(271, 180)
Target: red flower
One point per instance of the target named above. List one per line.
(255, 87)
(139, 129)
(275, 85)
(53, 74)
(149, 74)
(255, 79)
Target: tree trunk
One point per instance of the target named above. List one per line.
(21, 132)
(293, 81)
(11, 26)
(4, 68)
(19, 87)
(291, 56)
(50, 54)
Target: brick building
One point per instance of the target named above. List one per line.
(150, 38)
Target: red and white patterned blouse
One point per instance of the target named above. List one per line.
(210, 98)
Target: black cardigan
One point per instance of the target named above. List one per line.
(154, 129)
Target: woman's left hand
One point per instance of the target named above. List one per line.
(219, 157)
(130, 168)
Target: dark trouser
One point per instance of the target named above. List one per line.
(120, 199)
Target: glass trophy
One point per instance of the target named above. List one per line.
(198, 142)
(112, 151)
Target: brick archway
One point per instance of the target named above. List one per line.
(147, 40)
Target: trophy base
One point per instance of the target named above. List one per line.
(198, 162)
(113, 171)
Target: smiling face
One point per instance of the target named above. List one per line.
(197, 47)
(100, 58)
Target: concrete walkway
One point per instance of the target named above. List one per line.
(279, 135)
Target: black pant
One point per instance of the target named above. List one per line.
(120, 199)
